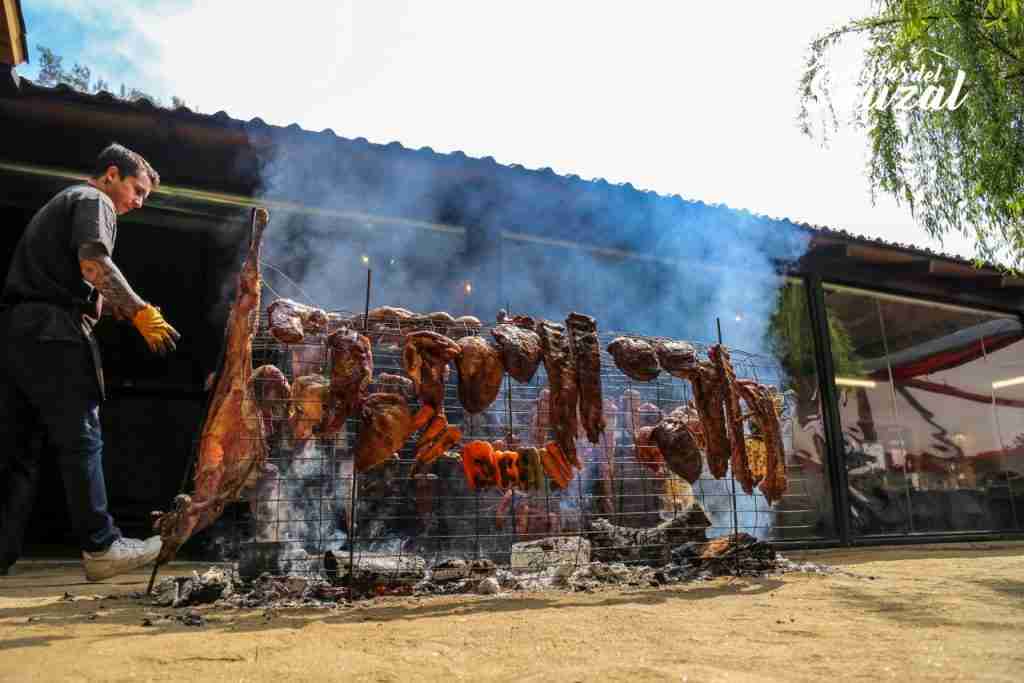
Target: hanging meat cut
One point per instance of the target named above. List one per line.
(271, 391)
(386, 424)
(425, 357)
(707, 397)
(232, 448)
(561, 372)
(587, 353)
(635, 357)
(290, 321)
(480, 373)
(520, 350)
(677, 445)
(675, 356)
(309, 398)
(738, 460)
(762, 403)
(351, 372)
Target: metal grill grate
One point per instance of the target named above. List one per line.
(311, 514)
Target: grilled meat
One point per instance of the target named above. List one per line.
(309, 399)
(708, 395)
(561, 372)
(675, 441)
(386, 424)
(647, 451)
(540, 419)
(520, 350)
(480, 373)
(232, 449)
(351, 372)
(291, 321)
(675, 356)
(719, 355)
(635, 358)
(271, 391)
(587, 352)
(425, 357)
(761, 401)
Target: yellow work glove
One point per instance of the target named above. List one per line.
(157, 332)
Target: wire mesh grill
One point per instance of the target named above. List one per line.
(311, 513)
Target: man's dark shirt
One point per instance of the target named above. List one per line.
(45, 278)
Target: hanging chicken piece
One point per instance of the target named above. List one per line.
(738, 459)
(351, 372)
(647, 451)
(635, 358)
(290, 321)
(675, 356)
(425, 357)
(479, 465)
(761, 401)
(232, 449)
(480, 373)
(587, 352)
(675, 441)
(520, 350)
(271, 391)
(561, 372)
(386, 424)
(309, 399)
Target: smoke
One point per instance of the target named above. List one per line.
(543, 244)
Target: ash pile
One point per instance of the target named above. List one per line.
(609, 556)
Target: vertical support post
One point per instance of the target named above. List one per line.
(829, 406)
(353, 498)
(732, 479)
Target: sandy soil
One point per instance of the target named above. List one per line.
(952, 612)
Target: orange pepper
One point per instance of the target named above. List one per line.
(479, 465)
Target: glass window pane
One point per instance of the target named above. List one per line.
(806, 509)
(921, 433)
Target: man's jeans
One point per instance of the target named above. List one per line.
(51, 385)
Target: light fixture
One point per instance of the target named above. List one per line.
(851, 382)
(739, 317)
(1012, 382)
(469, 288)
(365, 259)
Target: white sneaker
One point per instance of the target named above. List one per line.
(123, 555)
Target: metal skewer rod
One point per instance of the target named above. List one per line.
(353, 499)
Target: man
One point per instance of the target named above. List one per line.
(61, 277)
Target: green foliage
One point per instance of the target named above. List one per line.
(958, 168)
(79, 77)
(791, 341)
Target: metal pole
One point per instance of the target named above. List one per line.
(353, 498)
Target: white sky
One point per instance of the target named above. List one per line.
(696, 99)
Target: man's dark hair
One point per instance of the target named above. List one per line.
(128, 163)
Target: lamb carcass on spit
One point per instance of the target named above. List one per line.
(232, 447)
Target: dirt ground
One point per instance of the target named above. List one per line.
(953, 612)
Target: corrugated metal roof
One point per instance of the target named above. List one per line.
(257, 125)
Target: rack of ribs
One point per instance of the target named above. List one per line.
(232, 447)
(761, 401)
(561, 372)
(587, 352)
(739, 461)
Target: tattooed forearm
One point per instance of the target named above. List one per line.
(99, 270)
